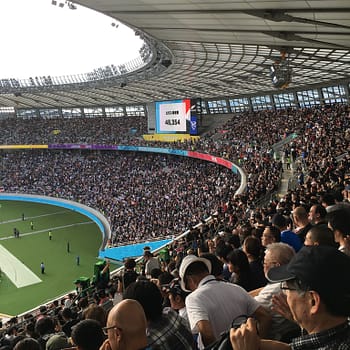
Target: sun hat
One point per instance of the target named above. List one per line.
(186, 262)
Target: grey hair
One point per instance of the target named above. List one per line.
(282, 252)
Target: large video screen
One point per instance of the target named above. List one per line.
(173, 116)
(177, 117)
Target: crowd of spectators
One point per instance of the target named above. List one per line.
(80, 130)
(241, 237)
(144, 196)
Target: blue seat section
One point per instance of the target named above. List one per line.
(130, 251)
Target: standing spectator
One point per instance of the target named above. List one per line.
(253, 249)
(151, 263)
(129, 275)
(301, 221)
(213, 304)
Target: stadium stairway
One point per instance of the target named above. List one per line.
(287, 181)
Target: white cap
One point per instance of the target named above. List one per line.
(186, 262)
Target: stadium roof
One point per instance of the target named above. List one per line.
(214, 49)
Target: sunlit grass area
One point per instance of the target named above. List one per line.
(34, 246)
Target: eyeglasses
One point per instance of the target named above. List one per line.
(106, 329)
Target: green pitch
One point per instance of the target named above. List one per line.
(34, 246)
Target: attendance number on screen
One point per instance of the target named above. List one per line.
(172, 121)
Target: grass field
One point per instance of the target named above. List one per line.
(33, 246)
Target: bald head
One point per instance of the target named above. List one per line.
(130, 321)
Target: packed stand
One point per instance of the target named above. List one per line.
(250, 276)
(144, 196)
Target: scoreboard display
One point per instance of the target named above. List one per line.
(176, 117)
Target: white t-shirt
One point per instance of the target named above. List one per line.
(280, 325)
(219, 303)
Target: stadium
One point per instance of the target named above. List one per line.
(232, 113)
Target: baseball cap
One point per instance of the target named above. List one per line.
(186, 262)
(324, 269)
(56, 342)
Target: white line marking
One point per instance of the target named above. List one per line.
(47, 230)
(32, 217)
(19, 274)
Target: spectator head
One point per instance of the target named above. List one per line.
(27, 344)
(300, 216)
(126, 326)
(83, 302)
(233, 241)
(216, 264)
(279, 221)
(320, 235)
(130, 264)
(164, 279)
(313, 298)
(149, 296)
(339, 223)
(277, 254)
(222, 250)
(95, 312)
(317, 214)
(67, 313)
(43, 309)
(327, 199)
(271, 234)
(176, 295)
(192, 270)
(87, 335)
(252, 247)
(237, 261)
(44, 325)
(57, 342)
(147, 255)
(156, 272)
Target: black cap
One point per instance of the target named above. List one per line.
(324, 269)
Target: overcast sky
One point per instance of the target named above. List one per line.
(38, 38)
